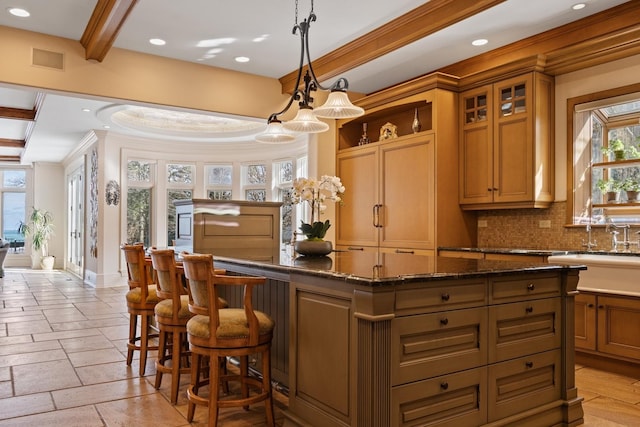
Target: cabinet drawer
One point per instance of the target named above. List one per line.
(518, 329)
(427, 298)
(506, 289)
(429, 345)
(522, 384)
(453, 400)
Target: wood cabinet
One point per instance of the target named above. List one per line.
(402, 191)
(507, 144)
(602, 325)
(229, 228)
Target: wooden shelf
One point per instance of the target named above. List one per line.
(618, 164)
(400, 115)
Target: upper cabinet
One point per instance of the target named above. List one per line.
(402, 176)
(507, 144)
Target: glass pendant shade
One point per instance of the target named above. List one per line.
(306, 121)
(338, 106)
(275, 134)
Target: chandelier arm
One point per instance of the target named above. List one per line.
(297, 93)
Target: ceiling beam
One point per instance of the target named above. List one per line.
(17, 113)
(12, 143)
(102, 29)
(414, 25)
(9, 158)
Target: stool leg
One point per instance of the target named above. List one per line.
(266, 386)
(193, 388)
(214, 391)
(162, 350)
(244, 373)
(133, 325)
(144, 339)
(176, 358)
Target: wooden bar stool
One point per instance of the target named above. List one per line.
(172, 314)
(141, 301)
(221, 333)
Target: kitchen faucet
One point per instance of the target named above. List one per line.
(626, 241)
(589, 244)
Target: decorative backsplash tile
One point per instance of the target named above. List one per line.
(521, 228)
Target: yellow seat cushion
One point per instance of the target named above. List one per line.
(135, 295)
(233, 324)
(165, 308)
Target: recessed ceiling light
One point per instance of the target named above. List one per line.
(157, 42)
(106, 127)
(16, 11)
(261, 38)
(578, 6)
(242, 59)
(86, 110)
(480, 42)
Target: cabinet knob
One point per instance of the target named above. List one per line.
(529, 309)
(489, 189)
(531, 287)
(444, 385)
(529, 364)
(601, 306)
(444, 322)
(590, 305)
(495, 189)
(445, 296)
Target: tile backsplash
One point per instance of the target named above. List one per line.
(535, 229)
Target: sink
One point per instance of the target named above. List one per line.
(618, 274)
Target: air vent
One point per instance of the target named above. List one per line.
(46, 58)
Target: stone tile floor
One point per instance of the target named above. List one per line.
(63, 352)
(62, 360)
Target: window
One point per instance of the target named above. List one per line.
(255, 182)
(139, 201)
(219, 182)
(13, 206)
(283, 183)
(180, 178)
(606, 161)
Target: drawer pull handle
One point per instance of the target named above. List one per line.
(444, 322)
(444, 385)
(531, 287)
(529, 364)
(404, 251)
(445, 297)
(353, 248)
(529, 309)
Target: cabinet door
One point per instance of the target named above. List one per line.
(476, 169)
(513, 140)
(618, 318)
(407, 193)
(358, 170)
(585, 324)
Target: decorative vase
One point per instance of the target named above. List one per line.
(416, 126)
(314, 262)
(313, 247)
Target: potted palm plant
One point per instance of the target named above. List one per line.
(39, 228)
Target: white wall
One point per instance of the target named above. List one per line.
(594, 79)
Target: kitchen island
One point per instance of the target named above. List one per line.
(385, 339)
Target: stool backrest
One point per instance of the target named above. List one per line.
(202, 282)
(138, 270)
(169, 277)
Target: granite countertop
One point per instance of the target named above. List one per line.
(536, 252)
(510, 251)
(375, 268)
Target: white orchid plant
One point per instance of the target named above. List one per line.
(315, 193)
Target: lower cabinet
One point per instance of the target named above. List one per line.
(603, 322)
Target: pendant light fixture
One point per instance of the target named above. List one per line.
(337, 106)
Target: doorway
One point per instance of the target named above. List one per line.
(75, 241)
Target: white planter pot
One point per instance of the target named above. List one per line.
(46, 263)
